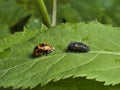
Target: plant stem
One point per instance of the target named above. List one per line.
(54, 12)
(43, 11)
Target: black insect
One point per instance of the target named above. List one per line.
(77, 47)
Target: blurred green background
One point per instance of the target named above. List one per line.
(17, 14)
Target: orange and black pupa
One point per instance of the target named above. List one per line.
(42, 49)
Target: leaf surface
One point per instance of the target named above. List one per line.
(102, 62)
(16, 38)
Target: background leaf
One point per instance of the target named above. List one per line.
(4, 31)
(9, 12)
(102, 10)
(20, 69)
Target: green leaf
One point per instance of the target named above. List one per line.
(33, 23)
(98, 9)
(20, 69)
(39, 11)
(16, 38)
(85, 10)
(73, 84)
(76, 84)
(11, 12)
(4, 31)
(69, 14)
